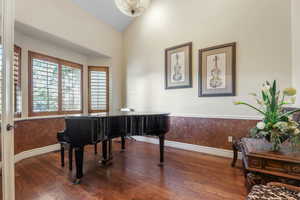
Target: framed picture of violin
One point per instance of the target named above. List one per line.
(217, 71)
(178, 66)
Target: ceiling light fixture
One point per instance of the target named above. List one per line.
(132, 8)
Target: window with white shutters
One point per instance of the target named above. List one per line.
(55, 86)
(17, 78)
(98, 89)
(71, 88)
(44, 86)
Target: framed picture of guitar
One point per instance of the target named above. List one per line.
(217, 70)
(178, 66)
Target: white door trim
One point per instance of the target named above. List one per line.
(7, 115)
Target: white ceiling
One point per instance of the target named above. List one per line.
(106, 11)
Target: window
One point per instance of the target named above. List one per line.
(71, 88)
(17, 78)
(55, 86)
(44, 85)
(98, 89)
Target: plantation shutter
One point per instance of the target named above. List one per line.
(98, 89)
(56, 86)
(17, 79)
(71, 88)
(44, 85)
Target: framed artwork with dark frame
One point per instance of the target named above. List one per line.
(178, 66)
(217, 71)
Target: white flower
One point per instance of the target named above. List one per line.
(296, 131)
(260, 125)
(293, 100)
(290, 92)
(266, 87)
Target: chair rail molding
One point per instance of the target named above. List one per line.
(242, 117)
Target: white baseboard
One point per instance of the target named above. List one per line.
(190, 147)
(35, 152)
(178, 145)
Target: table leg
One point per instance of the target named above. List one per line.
(235, 154)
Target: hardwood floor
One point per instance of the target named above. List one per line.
(134, 175)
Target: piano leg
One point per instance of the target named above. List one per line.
(110, 157)
(96, 151)
(79, 163)
(71, 158)
(123, 141)
(104, 152)
(62, 155)
(161, 149)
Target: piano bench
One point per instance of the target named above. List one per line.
(71, 149)
(63, 146)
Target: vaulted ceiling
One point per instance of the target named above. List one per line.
(106, 11)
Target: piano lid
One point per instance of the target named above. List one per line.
(119, 114)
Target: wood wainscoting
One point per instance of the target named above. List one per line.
(36, 133)
(210, 132)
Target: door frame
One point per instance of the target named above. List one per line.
(7, 115)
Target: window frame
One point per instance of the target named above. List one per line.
(34, 55)
(102, 69)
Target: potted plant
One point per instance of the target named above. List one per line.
(277, 125)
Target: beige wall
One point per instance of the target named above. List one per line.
(295, 18)
(261, 29)
(67, 21)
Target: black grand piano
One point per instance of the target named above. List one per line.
(83, 130)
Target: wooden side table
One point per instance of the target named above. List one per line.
(261, 165)
(235, 149)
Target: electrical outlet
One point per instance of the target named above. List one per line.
(230, 139)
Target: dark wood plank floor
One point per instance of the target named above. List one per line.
(134, 175)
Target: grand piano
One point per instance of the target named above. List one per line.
(83, 130)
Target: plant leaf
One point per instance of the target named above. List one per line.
(243, 103)
(289, 113)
